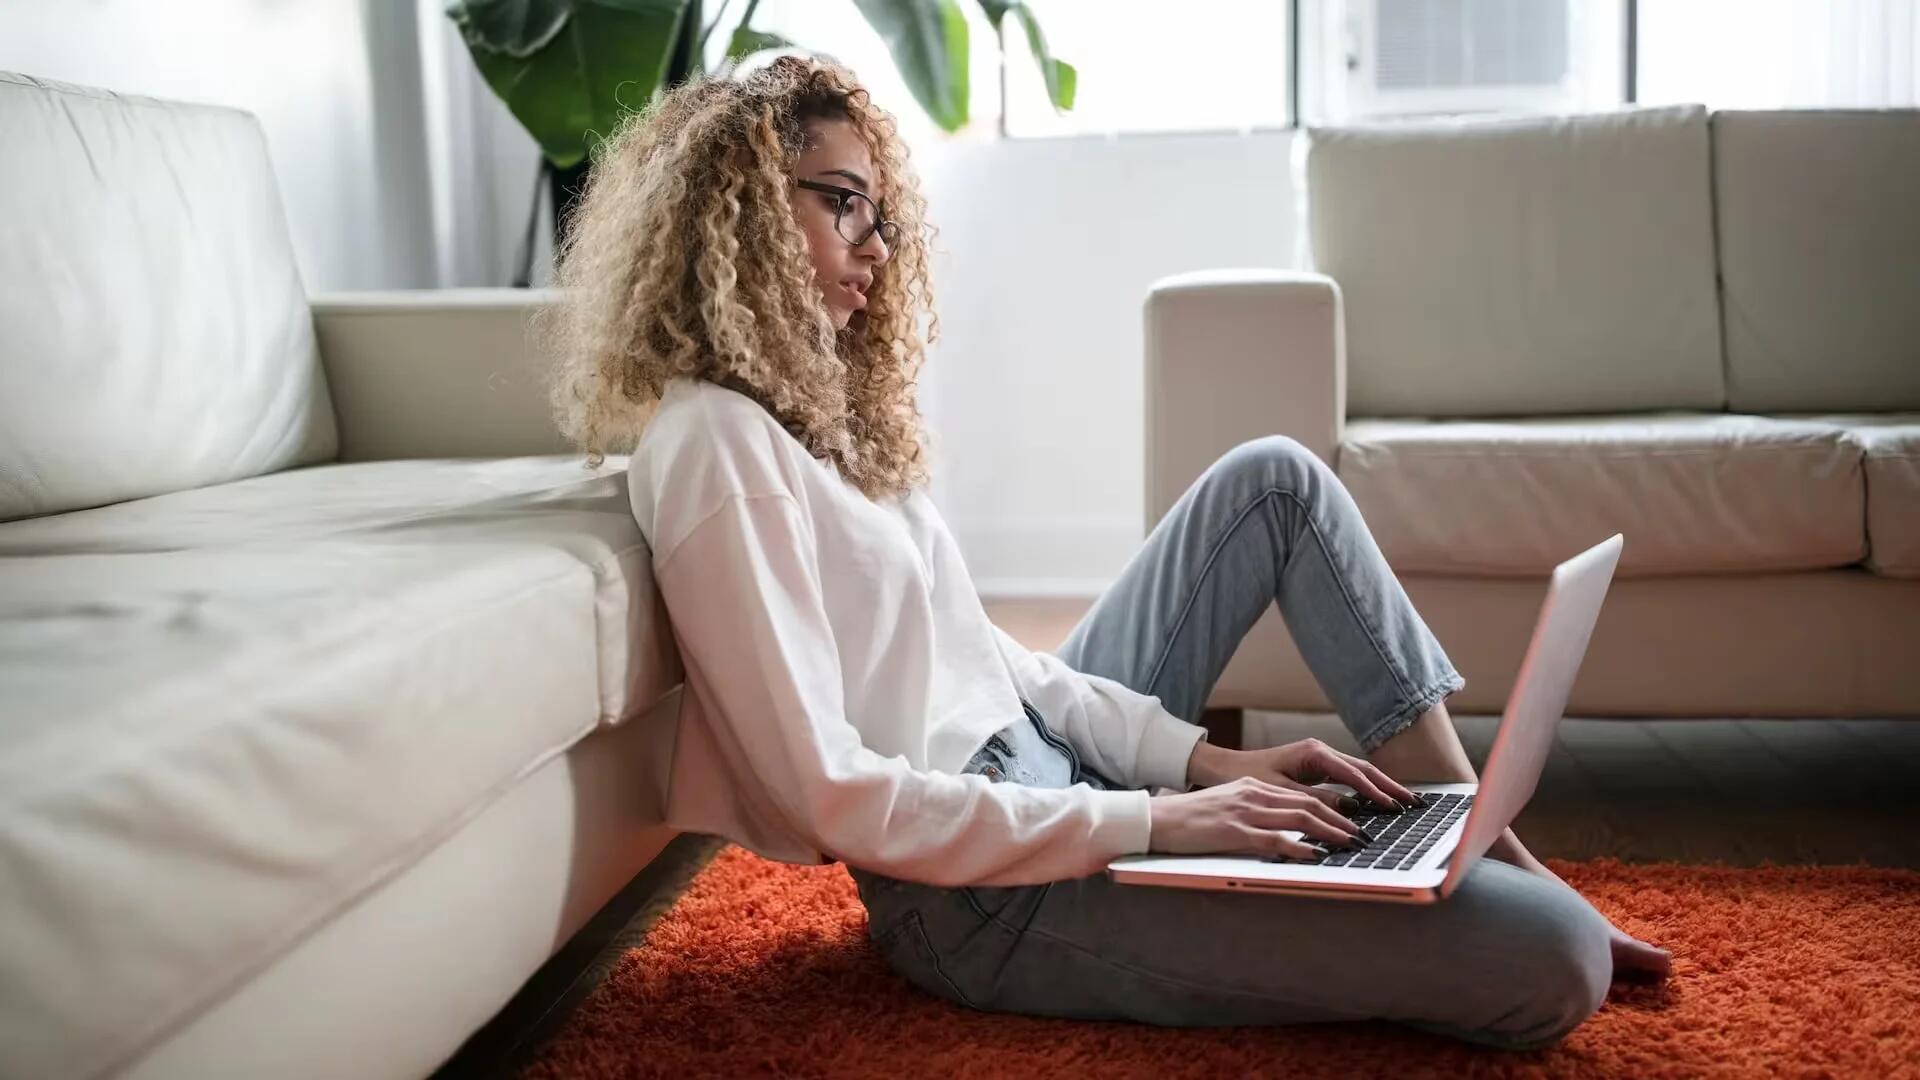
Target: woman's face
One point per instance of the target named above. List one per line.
(842, 269)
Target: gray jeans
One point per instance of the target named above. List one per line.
(1510, 959)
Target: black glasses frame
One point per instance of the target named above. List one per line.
(889, 230)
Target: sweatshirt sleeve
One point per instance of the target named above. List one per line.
(743, 592)
(1123, 734)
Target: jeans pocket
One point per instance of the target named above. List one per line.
(909, 951)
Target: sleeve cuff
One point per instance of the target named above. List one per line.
(1126, 823)
(1164, 749)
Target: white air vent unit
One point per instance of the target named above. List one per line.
(1429, 56)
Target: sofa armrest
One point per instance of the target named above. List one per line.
(1235, 355)
(436, 373)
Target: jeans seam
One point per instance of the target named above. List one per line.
(919, 931)
(1213, 556)
(966, 892)
(1058, 743)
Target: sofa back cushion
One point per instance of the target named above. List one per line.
(156, 334)
(1521, 266)
(1819, 219)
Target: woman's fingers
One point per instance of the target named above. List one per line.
(1392, 787)
(1346, 772)
(1308, 815)
(1312, 829)
(1325, 795)
(1339, 804)
(1274, 845)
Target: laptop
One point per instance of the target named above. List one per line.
(1421, 855)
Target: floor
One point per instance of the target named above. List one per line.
(1743, 792)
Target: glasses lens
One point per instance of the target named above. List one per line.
(857, 218)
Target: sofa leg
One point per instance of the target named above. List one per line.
(1225, 727)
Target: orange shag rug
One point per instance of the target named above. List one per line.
(764, 968)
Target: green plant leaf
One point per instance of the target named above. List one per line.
(1063, 81)
(1061, 77)
(605, 59)
(928, 40)
(518, 28)
(747, 41)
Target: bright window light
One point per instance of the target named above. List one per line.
(1781, 54)
(1196, 65)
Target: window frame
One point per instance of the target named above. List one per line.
(1629, 87)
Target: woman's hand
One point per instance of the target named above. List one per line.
(1298, 766)
(1295, 767)
(1245, 817)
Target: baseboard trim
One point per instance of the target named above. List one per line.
(1040, 588)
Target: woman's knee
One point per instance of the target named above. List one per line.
(1272, 461)
(1567, 966)
(1532, 958)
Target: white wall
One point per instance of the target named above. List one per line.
(338, 86)
(1047, 250)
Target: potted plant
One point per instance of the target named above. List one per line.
(569, 70)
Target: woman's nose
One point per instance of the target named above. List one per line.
(874, 249)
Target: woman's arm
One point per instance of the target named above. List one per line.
(743, 592)
(1123, 734)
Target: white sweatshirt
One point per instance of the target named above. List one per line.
(840, 671)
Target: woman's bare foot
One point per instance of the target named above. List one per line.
(1635, 960)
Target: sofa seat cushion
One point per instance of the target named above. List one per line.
(1891, 442)
(548, 502)
(1691, 492)
(231, 711)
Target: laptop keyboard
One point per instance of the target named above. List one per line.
(1400, 839)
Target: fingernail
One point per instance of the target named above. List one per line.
(1370, 838)
(1418, 799)
(1349, 804)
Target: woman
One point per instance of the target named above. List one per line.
(746, 279)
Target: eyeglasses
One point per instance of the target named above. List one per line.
(855, 216)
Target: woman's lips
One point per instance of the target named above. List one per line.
(853, 297)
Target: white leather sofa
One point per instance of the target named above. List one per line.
(1518, 336)
(325, 674)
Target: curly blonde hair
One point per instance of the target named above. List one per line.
(684, 259)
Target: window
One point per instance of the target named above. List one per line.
(1194, 65)
(1377, 58)
(1238, 65)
